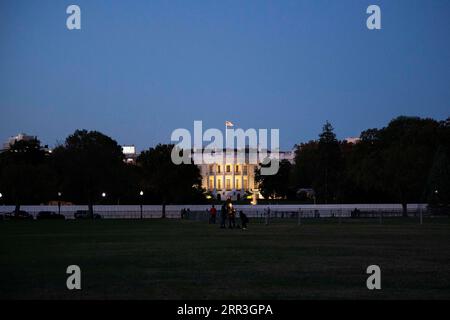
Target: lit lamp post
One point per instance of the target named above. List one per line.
(59, 202)
(141, 194)
(103, 197)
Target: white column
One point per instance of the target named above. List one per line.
(224, 169)
(242, 176)
(215, 177)
(233, 186)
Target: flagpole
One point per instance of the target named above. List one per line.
(225, 151)
(226, 137)
(227, 124)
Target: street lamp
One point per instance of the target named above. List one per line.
(59, 202)
(142, 197)
(103, 197)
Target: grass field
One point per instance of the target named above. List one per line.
(173, 259)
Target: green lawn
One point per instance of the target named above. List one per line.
(172, 259)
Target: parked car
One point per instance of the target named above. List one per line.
(21, 215)
(84, 214)
(49, 215)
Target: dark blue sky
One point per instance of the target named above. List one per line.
(139, 69)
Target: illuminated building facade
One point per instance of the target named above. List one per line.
(129, 153)
(230, 178)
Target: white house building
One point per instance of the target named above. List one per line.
(231, 177)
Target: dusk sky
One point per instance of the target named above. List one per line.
(137, 70)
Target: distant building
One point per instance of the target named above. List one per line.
(353, 140)
(20, 137)
(130, 153)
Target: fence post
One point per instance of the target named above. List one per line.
(421, 215)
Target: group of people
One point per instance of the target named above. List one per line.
(185, 213)
(228, 213)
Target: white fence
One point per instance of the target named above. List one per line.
(173, 211)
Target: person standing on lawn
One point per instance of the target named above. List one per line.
(212, 215)
(231, 218)
(244, 220)
(223, 215)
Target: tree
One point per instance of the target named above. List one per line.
(304, 167)
(408, 145)
(319, 164)
(88, 164)
(393, 163)
(167, 181)
(277, 185)
(364, 167)
(24, 173)
(329, 165)
(438, 188)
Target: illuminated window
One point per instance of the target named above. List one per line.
(228, 168)
(228, 184)
(211, 183)
(129, 150)
(245, 184)
(238, 183)
(219, 184)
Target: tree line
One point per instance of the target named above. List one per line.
(406, 161)
(89, 168)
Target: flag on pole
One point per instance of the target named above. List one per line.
(229, 124)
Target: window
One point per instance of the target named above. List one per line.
(211, 183)
(245, 184)
(218, 169)
(244, 169)
(219, 184)
(211, 169)
(228, 168)
(228, 184)
(238, 183)
(236, 168)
